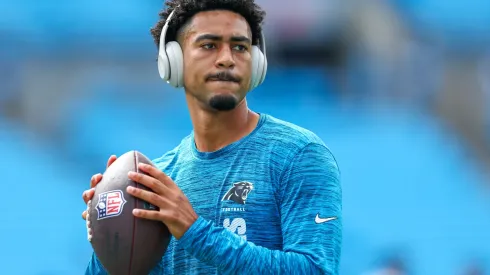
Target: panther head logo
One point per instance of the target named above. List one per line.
(239, 192)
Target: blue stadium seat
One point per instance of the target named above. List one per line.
(41, 228)
(407, 184)
(464, 24)
(52, 21)
(117, 117)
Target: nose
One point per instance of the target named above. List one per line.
(225, 58)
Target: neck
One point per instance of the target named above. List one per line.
(215, 130)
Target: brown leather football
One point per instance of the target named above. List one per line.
(124, 244)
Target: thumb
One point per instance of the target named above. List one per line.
(111, 160)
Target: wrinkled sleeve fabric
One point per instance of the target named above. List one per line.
(95, 267)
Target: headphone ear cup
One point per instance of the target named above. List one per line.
(176, 64)
(264, 69)
(163, 65)
(260, 69)
(255, 67)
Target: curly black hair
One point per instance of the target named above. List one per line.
(186, 9)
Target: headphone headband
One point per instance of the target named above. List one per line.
(163, 34)
(262, 43)
(167, 22)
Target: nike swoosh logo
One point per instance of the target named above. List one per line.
(319, 220)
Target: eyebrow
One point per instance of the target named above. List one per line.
(214, 37)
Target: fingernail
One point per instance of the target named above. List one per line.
(136, 211)
(130, 189)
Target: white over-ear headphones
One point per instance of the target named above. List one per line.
(171, 60)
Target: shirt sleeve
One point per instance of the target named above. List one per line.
(311, 206)
(95, 267)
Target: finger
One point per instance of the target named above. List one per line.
(95, 180)
(85, 212)
(148, 214)
(148, 196)
(88, 195)
(148, 181)
(156, 173)
(111, 160)
(92, 181)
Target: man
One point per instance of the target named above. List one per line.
(244, 193)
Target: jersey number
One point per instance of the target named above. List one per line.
(238, 226)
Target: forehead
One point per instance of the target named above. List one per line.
(219, 22)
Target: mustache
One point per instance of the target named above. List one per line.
(223, 76)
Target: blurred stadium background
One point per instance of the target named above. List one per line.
(398, 89)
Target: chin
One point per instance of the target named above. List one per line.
(223, 101)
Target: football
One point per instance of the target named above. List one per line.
(124, 244)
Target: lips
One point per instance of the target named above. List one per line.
(222, 80)
(224, 76)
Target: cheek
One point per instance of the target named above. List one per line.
(246, 67)
(197, 64)
(249, 71)
(192, 70)
(188, 73)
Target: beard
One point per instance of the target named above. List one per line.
(223, 102)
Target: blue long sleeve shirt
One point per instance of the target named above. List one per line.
(270, 203)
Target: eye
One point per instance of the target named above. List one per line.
(240, 48)
(208, 46)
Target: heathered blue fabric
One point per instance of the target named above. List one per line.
(293, 177)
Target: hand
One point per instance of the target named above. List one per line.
(89, 194)
(175, 210)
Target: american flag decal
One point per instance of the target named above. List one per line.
(110, 204)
